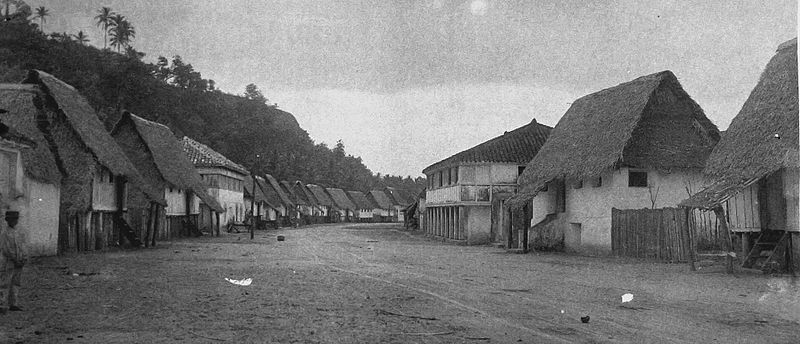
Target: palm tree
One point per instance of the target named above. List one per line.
(41, 13)
(81, 38)
(122, 32)
(103, 18)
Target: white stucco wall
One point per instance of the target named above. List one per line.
(232, 202)
(39, 216)
(365, 213)
(587, 219)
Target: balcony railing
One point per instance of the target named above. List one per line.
(466, 193)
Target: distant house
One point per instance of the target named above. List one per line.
(343, 203)
(224, 180)
(317, 214)
(466, 193)
(254, 192)
(95, 173)
(159, 157)
(754, 170)
(300, 203)
(287, 208)
(383, 211)
(400, 201)
(27, 187)
(364, 205)
(632, 146)
(324, 202)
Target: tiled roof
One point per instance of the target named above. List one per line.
(203, 156)
(516, 146)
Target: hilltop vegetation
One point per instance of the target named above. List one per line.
(243, 127)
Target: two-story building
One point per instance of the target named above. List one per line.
(466, 193)
(224, 180)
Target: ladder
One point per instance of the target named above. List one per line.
(767, 253)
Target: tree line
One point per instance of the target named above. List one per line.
(245, 128)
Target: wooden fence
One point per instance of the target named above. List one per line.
(662, 234)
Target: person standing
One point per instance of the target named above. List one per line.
(13, 256)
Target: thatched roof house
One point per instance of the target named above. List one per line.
(276, 187)
(289, 189)
(762, 138)
(60, 120)
(159, 155)
(322, 197)
(649, 122)
(360, 200)
(380, 199)
(271, 196)
(398, 196)
(340, 198)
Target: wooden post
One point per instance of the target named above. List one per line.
(216, 214)
(156, 221)
(726, 237)
(689, 241)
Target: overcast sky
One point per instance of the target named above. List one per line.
(407, 83)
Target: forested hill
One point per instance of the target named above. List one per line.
(243, 127)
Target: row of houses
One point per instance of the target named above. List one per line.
(641, 144)
(79, 187)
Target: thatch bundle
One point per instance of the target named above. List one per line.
(278, 191)
(302, 191)
(762, 138)
(255, 191)
(290, 191)
(649, 122)
(517, 146)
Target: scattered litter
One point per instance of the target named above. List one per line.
(244, 282)
(562, 311)
(281, 238)
(585, 319)
(372, 240)
(75, 274)
(627, 298)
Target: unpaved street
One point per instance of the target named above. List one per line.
(378, 284)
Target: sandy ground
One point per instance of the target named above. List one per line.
(379, 284)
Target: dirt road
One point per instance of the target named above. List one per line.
(378, 284)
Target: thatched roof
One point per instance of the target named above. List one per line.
(360, 200)
(13, 136)
(166, 152)
(340, 198)
(21, 112)
(294, 194)
(398, 197)
(203, 156)
(82, 138)
(762, 138)
(260, 194)
(302, 192)
(649, 122)
(271, 196)
(320, 194)
(517, 146)
(380, 199)
(275, 185)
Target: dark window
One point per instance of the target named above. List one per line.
(561, 197)
(441, 178)
(454, 178)
(637, 179)
(598, 182)
(520, 170)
